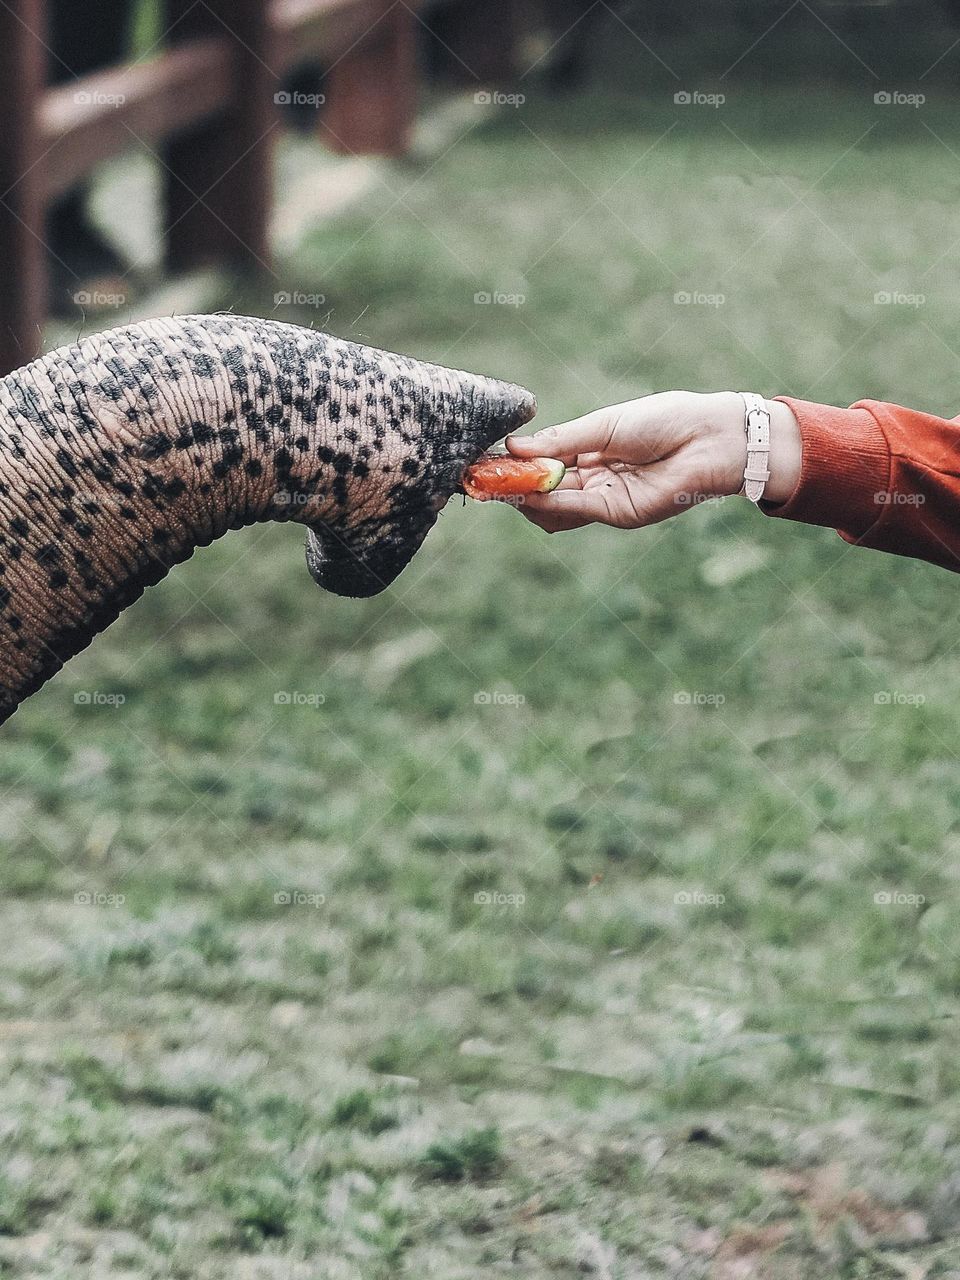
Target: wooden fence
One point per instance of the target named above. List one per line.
(208, 105)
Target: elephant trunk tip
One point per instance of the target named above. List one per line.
(526, 409)
(463, 415)
(512, 408)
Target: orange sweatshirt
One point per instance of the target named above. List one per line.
(882, 476)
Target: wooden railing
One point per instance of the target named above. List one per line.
(209, 107)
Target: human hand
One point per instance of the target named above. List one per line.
(636, 463)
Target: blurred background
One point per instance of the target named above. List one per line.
(581, 905)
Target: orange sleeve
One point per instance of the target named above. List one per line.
(882, 476)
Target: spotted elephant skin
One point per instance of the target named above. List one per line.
(121, 454)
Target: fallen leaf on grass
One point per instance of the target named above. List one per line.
(746, 1252)
(823, 1192)
(480, 1048)
(731, 563)
(381, 666)
(909, 1268)
(528, 1213)
(747, 1241)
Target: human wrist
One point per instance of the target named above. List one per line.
(728, 440)
(726, 417)
(786, 452)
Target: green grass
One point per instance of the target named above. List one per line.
(290, 1040)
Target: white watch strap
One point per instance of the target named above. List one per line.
(757, 425)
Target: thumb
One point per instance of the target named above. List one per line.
(590, 434)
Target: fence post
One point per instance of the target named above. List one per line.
(23, 267)
(372, 89)
(218, 176)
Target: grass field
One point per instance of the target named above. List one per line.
(536, 932)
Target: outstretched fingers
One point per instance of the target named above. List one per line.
(593, 433)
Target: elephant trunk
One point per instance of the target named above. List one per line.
(123, 453)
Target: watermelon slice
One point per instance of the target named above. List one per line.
(498, 475)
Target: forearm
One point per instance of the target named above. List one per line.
(883, 476)
(886, 477)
